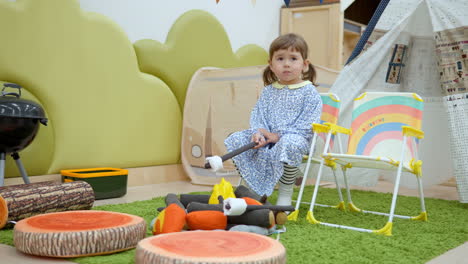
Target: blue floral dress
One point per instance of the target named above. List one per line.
(288, 111)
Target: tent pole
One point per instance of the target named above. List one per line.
(370, 27)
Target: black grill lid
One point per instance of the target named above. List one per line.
(11, 105)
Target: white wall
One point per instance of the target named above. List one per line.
(245, 21)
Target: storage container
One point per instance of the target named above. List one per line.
(106, 182)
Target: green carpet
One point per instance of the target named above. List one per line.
(412, 241)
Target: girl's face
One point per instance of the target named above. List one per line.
(288, 66)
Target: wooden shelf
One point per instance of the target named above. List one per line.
(330, 37)
(301, 3)
(352, 27)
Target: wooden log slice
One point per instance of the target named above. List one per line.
(210, 247)
(78, 233)
(24, 200)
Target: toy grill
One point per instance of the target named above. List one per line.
(19, 123)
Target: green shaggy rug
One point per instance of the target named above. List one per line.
(412, 241)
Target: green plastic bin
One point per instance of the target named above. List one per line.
(106, 182)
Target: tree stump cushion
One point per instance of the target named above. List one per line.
(210, 247)
(78, 233)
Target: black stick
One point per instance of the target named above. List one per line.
(234, 153)
(271, 207)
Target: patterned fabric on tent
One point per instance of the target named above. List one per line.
(419, 46)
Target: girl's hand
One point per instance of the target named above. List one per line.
(259, 139)
(270, 137)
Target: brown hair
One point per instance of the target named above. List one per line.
(296, 43)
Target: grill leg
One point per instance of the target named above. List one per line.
(23, 172)
(2, 168)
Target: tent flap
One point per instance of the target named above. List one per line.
(434, 37)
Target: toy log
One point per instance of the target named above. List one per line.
(185, 199)
(172, 198)
(196, 206)
(228, 210)
(238, 206)
(24, 200)
(257, 215)
(78, 233)
(233, 153)
(262, 217)
(242, 191)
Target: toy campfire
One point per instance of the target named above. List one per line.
(224, 209)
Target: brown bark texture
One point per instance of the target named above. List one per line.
(24, 200)
(70, 244)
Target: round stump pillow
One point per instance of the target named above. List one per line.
(78, 233)
(210, 247)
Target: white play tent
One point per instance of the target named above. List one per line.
(420, 46)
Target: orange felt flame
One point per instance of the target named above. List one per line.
(251, 201)
(171, 219)
(206, 220)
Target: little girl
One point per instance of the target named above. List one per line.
(280, 122)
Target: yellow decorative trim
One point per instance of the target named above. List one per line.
(340, 206)
(412, 132)
(293, 216)
(353, 208)
(278, 85)
(311, 218)
(417, 97)
(386, 230)
(319, 128)
(94, 172)
(416, 167)
(421, 217)
(330, 163)
(378, 158)
(336, 128)
(334, 97)
(360, 97)
(347, 166)
(394, 162)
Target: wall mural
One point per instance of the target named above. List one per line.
(286, 2)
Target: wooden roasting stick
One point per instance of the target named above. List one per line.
(234, 153)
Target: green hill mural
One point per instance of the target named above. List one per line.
(83, 69)
(196, 40)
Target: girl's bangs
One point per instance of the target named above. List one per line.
(293, 44)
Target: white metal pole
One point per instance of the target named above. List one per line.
(317, 183)
(397, 180)
(419, 178)
(306, 173)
